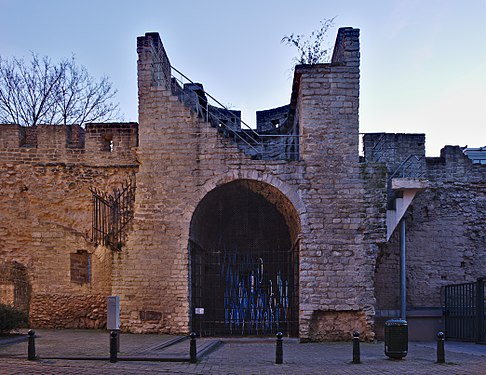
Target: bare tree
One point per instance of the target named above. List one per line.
(311, 49)
(45, 93)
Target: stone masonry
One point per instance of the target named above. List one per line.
(182, 159)
(187, 164)
(46, 214)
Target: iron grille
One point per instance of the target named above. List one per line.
(111, 215)
(243, 292)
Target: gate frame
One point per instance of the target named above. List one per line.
(465, 298)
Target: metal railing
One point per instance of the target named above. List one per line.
(229, 123)
(377, 150)
(411, 167)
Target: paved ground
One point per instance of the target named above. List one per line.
(244, 356)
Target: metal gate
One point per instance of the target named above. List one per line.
(465, 308)
(243, 292)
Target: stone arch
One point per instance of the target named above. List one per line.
(285, 189)
(244, 257)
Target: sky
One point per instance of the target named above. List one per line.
(423, 62)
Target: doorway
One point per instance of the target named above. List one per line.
(244, 261)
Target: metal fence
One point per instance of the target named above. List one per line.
(464, 310)
(243, 292)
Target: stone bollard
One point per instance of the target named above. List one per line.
(356, 352)
(31, 346)
(193, 348)
(113, 346)
(440, 347)
(279, 349)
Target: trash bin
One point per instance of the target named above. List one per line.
(396, 338)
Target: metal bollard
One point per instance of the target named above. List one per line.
(356, 352)
(193, 349)
(440, 347)
(279, 349)
(31, 346)
(113, 346)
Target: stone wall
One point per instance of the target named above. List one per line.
(66, 310)
(183, 167)
(183, 158)
(45, 208)
(15, 288)
(446, 240)
(272, 120)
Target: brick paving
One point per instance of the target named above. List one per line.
(245, 356)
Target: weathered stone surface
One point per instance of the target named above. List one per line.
(332, 202)
(45, 212)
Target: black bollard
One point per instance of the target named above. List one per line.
(279, 349)
(193, 349)
(356, 352)
(31, 346)
(113, 346)
(440, 347)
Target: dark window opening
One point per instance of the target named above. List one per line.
(108, 144)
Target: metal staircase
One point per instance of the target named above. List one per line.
(405, 177)
(408, 188)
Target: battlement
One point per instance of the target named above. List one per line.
(153, 62)
(272, 120)
(62, 142)
(346, 48)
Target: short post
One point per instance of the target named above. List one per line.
(440, 347)
(193, 349)
(356, 352)
(31, 346)
(279, 349)
(113, 346)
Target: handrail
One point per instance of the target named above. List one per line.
(403, 165)
(251, 138)
(223, 115)
(215, 100)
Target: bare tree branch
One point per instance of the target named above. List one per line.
(47, 93)
(311, 50)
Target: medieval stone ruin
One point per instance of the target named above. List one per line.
(199, 223)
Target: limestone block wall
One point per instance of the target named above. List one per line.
(446, 240)
(271, 120)
(45, 211)
(337, 199)
(392, 148)
(339, 251)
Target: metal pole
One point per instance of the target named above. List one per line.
(440, 348)
(192, 348)
(279, 349)
(403, 268)
(31, 346)
(113, 346)
(356, 351)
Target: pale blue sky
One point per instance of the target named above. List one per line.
(423, 62)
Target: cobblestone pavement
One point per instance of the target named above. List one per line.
(244, 356)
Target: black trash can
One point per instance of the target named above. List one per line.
(396, 338)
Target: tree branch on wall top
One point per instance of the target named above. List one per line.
(311, 49)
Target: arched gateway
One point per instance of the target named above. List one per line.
(243, 247)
